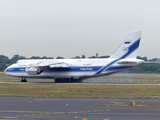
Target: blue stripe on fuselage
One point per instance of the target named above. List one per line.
(71, 69)
(16, 69)
(75, 69)
(80, 68)
(103, 68)
(118, 67)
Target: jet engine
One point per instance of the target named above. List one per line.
(34, 71)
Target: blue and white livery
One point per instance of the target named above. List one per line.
(75, 70)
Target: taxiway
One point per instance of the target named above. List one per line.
(76, 109)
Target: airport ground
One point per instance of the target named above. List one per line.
(114, 86)
(39, 99)
(24, 108)
(115, 78)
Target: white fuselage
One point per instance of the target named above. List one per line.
(78, 68)
(70, 69)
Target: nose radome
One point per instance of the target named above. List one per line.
(5, 70)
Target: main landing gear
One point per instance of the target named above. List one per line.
(23, 80)
(64, 80)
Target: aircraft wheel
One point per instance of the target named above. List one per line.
(23, 80)
(80, 81)
(56, 81)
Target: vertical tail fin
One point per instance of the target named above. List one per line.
(129, 47)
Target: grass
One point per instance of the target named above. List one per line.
(84, 90)
(129, 78)
(80, 91)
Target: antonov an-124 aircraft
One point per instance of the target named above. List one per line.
(75, 70)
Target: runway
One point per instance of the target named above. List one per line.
(94, 83)
(76, 108)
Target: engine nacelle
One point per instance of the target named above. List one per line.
(33, 71)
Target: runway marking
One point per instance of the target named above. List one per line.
(88, 111)
(22, 111)
(101, 110)
(48, 99)
(40, 114)
(61, 112)
(33, 114)
(82, 111)
(52, 113)
(69, 112)
(95, 110)
(48, 113)
(74, 112)
(91, 113)
(9, 117)
(127, 113)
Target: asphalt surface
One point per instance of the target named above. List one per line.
(76, 108)
(94, 83)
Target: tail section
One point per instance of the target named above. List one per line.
(129, 47)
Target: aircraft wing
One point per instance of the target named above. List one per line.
(59, 65)
(51, 64)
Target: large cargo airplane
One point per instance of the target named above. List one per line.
(75, 70)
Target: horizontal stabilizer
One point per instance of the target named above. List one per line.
(126, 62)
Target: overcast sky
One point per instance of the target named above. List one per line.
(69, 28)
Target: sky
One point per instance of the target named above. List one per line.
(70, 28)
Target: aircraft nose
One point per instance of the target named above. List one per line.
(7, 71)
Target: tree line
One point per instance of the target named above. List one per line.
(143, 68)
